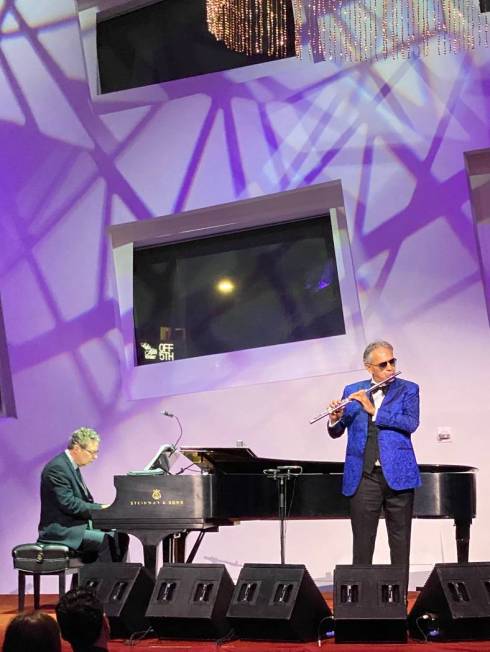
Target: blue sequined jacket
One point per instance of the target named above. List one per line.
(396, 419)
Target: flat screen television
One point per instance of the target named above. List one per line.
(251, 288)
(166, 41)
(253, 291)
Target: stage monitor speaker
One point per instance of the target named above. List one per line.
(454, 604)
(190, 601)
(369, 604)
(124, 590)
(277, 602)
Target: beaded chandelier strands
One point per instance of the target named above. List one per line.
(250, 26)
(350, 30)
(361, 30)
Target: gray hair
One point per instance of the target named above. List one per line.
(82, 436)
(378, 344)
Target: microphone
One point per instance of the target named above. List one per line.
(181, 432)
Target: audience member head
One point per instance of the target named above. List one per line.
(34, 631)
(81, 619)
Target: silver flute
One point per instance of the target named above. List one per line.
(343, 403)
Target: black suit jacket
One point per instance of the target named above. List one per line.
(65, 504)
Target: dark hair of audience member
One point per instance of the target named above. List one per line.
(80, 617)
(34, 631)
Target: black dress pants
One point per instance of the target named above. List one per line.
(104, 546)
(373, 495)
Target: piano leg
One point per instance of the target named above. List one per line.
(173, 551)
(462, 539)
(150, 558)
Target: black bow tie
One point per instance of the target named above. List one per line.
(383, 390)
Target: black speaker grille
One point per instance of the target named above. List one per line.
(246, 592)
(190, 601)
(454, 604)
(277, 602)
(369, 604)
(124, 590)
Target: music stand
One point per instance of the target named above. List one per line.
(282, 475)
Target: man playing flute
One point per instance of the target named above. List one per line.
(380, 471)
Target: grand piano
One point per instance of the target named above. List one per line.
(230, 485)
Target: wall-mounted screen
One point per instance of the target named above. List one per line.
(7, 402)
(145, 52)
(252, 288)
(165, 41)
(254, 291)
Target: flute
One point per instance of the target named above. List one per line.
(343, 403)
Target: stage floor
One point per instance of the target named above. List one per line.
(8, 609)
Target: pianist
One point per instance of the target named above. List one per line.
(380, 469)
(67, 504)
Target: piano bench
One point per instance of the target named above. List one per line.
(38, 559)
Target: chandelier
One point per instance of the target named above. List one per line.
(250, 26)
(349, 30)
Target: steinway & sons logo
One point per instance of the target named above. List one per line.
(157, 499)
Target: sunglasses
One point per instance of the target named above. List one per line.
(383, 365)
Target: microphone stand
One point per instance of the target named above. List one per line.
(282, 474)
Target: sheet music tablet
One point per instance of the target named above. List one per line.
(159, 463)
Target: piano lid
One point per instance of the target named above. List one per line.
(244, 460)
(216, 460)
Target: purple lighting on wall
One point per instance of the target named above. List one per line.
(392, 134)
